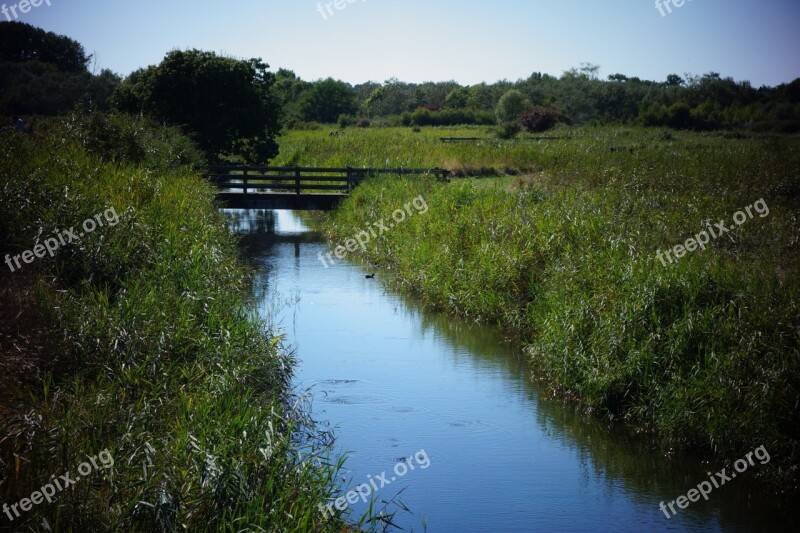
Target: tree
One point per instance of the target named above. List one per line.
(393, 98)
(21, 43)
(482, 97)
(590, 70)
(226, 103)
(44, 73)
(510, 107)
(101, 88)
(326, 100)
(457, 99)
(673, 80)
(288, 87)
(538, 119)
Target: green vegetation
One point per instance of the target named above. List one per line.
(538, 119)
(136, 339)
(227, 104)
(704, 353)
(403, 147)
(44, 73)
(578, 97)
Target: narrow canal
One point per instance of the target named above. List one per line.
(489, 454)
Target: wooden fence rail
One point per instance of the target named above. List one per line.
(280, 180)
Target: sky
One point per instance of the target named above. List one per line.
(468, 41)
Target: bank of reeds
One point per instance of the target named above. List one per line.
(704, 353)
(135, 340)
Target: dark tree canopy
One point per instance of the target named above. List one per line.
(227, 103)
(44, 73)
(326, 100)
(21, 43)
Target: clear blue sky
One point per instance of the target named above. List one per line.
(464, 40)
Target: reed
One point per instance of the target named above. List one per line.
(140, 343)
(704, 353)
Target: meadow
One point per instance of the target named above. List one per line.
(556, 240)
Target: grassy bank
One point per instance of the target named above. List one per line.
(133, 340)
(703, 352)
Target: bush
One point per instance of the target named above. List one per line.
(121, 138)
(538, 119)
(346, 120)
(363, 122)
(509, 130)
(510, 107)
(149, 340)
(447, 117)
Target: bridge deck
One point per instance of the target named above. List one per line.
(296, 188)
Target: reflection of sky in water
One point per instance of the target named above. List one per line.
(395, 380)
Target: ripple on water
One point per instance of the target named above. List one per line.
(353, 399)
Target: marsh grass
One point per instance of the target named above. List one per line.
(703, 353)
(141, 345)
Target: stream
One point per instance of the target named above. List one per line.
(444, 417)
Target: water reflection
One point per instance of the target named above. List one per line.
(396, 379)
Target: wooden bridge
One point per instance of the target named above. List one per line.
(296, 188)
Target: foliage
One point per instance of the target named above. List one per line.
(326, 100)
(510, 107)
(226, 103)
(45, 74)
(22, 43)
(457, 99)
(151, 354)
(508, 130)
(346, 121)
(446, 117)
(704, 353)
(538, 119)
(119, 138)
(581, 97)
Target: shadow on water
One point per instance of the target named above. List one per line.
(540, 464)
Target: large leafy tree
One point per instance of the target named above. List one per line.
(226, 103)
(46, 74)
(326, 100)
(21, 43)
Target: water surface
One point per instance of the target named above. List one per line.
(395, 380)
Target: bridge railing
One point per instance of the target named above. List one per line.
(297, 180)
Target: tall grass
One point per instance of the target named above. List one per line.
(140, 344)
(704, 353)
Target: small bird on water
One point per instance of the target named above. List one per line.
(370, 276)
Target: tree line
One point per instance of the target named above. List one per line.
(235, 108)
(577, 97)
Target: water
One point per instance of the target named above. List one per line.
(396, 381)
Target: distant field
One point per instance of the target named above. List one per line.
(582, 152)
(724, 169)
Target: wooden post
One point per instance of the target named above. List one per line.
(349, 180)
(297, 180)
(244, 182)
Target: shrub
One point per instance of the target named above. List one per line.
(447, 117)
(509, 130)
(538, 119)
(510, 107)
(363, 122)
(121, 138)
(346, 120)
